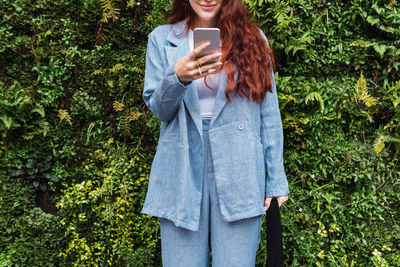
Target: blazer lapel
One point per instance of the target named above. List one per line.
(180, 48)
(220, 98)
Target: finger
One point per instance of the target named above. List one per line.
(211, 57)
(214, 65)
(211, 68)
(201, 43)
(198, 49)
(192, 69)
(267, 203)
(282, 200)
(195, 52)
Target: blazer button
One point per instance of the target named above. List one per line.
(240, 126)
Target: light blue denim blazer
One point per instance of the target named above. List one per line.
(246, 141)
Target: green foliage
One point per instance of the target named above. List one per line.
(110, 196)
(29, 236)
(77, 141)
(38, 172)
(54, 113)
(345, 206)
(338, 91)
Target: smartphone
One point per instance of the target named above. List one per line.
(207, 34)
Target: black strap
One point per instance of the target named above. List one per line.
(274, 235)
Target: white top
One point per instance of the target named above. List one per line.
(206, 95)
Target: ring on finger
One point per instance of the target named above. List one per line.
(198, 65)
(197, 62)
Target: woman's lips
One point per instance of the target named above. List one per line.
(207, 7)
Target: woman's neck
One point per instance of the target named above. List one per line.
(205, 24)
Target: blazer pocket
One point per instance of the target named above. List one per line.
(172, 138)
(237, 156)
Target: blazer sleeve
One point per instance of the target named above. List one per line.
(272, 139)
(163, 92)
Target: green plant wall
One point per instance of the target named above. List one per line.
(77, 141)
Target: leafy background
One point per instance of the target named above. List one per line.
(77, 141)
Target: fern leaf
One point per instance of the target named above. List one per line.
(392, 139)
(110, 83)
(370, 101)
(118, 106)
(108, 11)
(100, 37)
(294, 122)
(63, 114)
(394, 91)
(8, 121)
(131, 3)
(125, 126)
(39, 109)
(316, 96)
(134, 115)
(305, 86)
(361, 43)
(362, 91)
(97, 72)
(396, 102)
(125, 122)
(117, 67)
(380, 141)
(379, 144)
(361, 85)
(136, 69)
(285, 99)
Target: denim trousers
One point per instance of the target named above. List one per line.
(228, 244)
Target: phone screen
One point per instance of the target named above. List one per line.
(207, 34)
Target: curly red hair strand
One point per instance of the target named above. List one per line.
(243, 48)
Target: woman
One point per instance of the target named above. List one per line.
(207, 182)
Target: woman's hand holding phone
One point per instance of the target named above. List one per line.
(186, 68)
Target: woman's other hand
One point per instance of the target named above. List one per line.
(281, 200)
(186, 68)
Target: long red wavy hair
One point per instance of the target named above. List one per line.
(243, 48)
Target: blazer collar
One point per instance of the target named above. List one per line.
(178, 48)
